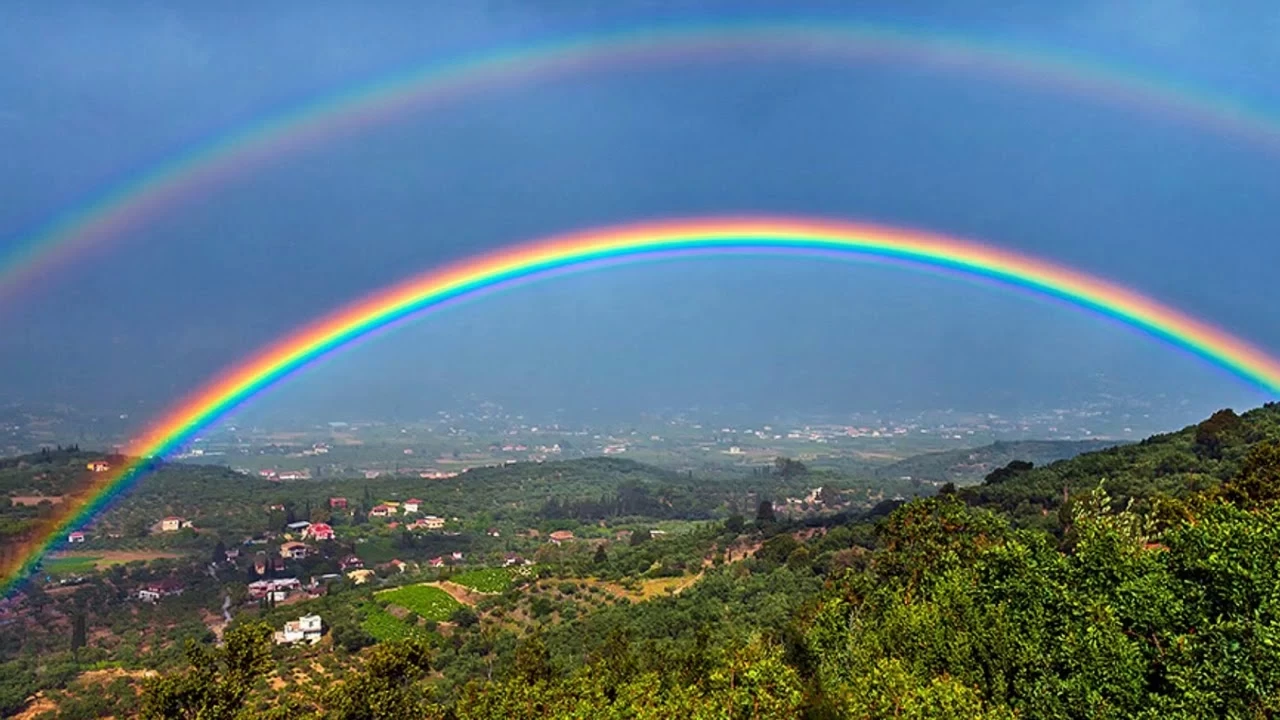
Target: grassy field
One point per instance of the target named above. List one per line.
(85, 562)
(430, 602)
(385, 626)
(487, 580)
(73, 564)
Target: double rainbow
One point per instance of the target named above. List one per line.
(629, 243)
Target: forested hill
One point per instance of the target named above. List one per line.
(1172, 465)
(969, 466)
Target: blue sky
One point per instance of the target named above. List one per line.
(89, 97)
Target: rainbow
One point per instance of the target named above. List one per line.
(628, 243)
(69, 235)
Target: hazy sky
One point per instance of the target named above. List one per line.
(90, 96)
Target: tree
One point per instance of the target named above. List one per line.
(78, 632)
(601, 557)
(1215, 433)
(217, 680)
(1258, 483)
(351, 637)
(464, 617)
(219, 553)
(787, 469)
(388, 686)
(735, 524)
(533, 660)
(1008, 472)
(764, 513)
(136, 527)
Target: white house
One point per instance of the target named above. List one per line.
(173, 523)
(308, 628)
(412, 505)
(76, 537)
(294, 550)
(152, 592)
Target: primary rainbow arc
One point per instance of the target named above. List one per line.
(634, 242)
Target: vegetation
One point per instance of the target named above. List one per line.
(1135, 582)
(486, 580)
(426, 601)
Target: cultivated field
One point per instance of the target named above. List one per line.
(427, 601)
(487, 580)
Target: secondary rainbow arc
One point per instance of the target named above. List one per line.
(632, 242)
(69, 235)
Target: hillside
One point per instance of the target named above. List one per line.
(602, 588)
(1174, 465)
(942, 609)
(970, 466)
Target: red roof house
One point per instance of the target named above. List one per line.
(319, 531)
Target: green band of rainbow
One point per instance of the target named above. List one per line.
(68, 236)
(625, 244)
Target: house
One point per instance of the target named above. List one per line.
(260, 563)
(361, 576)
(319, 531)
(277, 590)
(277, 564)
(493, 532)
(297, 526)
(76, 537)
(232, 553)
(513, 559)
(337, 503)
(657, 533)
(436, 562)
(153, 591)
(308, 629)
(294, 550)
(98, 466)
(397, 565)
(561, 536)
(173, 523)
(430, 522)
(325, 578)
(412, 505)
(351, 562)
(381, 511)
(456, 556)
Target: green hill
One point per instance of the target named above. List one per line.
(942, 609)
(1173, 464)
(970, 466)
(1152, 596)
